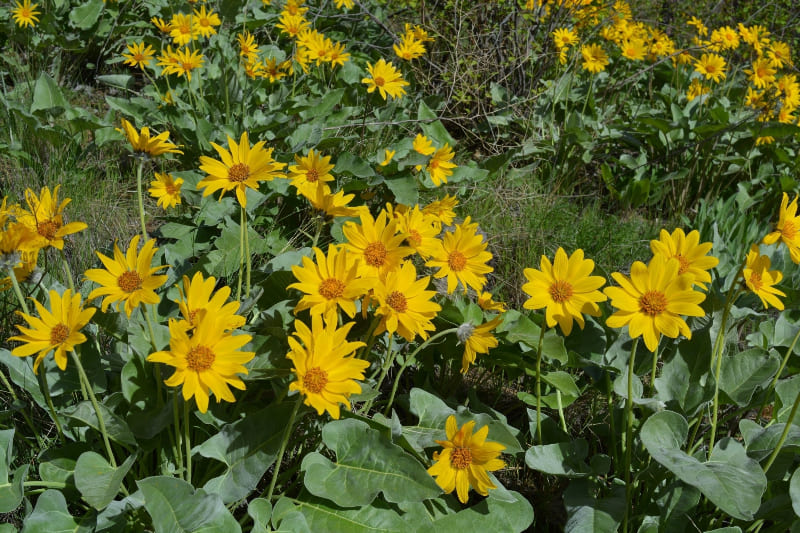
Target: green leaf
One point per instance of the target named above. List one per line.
(348, 163)
(176, 507)
(248, 448)
(562, 381)
(85, 16)
(321, 515)
(322, 107)
(11, 492)
(366, 463)
(683, 377)
(47, 94)
(731, 480)
(116, 427)
(260, 510)
(98, 481)
(489, 514)
(587, 513)
(405, 190)
(794, 491)
(561, 459)
(760, 442)
(121, 81)
(553, 347)
(742, 373)
(51, 516)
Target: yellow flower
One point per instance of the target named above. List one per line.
(653, 299)
(385, 78)
(326, 374)
(207, 361)
(45, 220)
(404, 304)
(485, 301)
(409, 47)
(182, 30)
(291, 24)
(25, 14)
(699, 26)
(128, 278)
(690, 253)
(247, 46)
(779, 54)
(565, 37)
(465, 459)
(633, 49)
(347, 4)
(139, 55)
(421, 231)
(762, 73)
(726, 37)
(205, 22)
(377, 244)
(333, 204)
(310, 170)
(166, 190)
(760, 279)
(56, 329)
(241, 167)
(141, 141)
(294, 7)
(476, 339)
(387, 158)
(462, 257)
(442, 210)
(565, 288)
(595, 58)
(787, 228)
(330, 282)
(423, 145)
(335, 53)
(198, 299)
(163, 27)
(439, 167)
(185, 61)
(696, 88)
(712, 66)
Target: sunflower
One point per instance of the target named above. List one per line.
(633, 49)
(564, 38)
(183, 30)
(248, 48)
(442, 210)
(762, 74)
(404, 304)
(25, 14)
(465, 459)
(205, 22)
(128, 278)
(440, 166)
(692, 256)
(330, 282)
(198, 299)
(377, 244)
(326, 374)
(56, 329)
(476, 339)
(595, 58)
(310, 170)
(409, 48)
(241, 167)
(653, 299)
(141, 142)
(712, 66)
(462, 257)
(787, 228)
(139, 55)
(166, 189)
(421, 231)
(565, 288)
(423, 145)
(760, 279)
(185, 61)
(387, 79)
(208, 360)
(45, 220)
(291, 24)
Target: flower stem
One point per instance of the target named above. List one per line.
(22, 303)
(177, 428)
(241, 254)
(140, 195)
(629, 435)
(68, 271)
(387, 364)
(539, 385)
(100, 421)
(786, 428)
(247, 253)
(157, 366)
(282, 450)
(186, 441)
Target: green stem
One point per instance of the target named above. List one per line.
(45, 484)
(100, 421)
(629, 436)
(186, 440)
(282, 450)
(46, 393)
(653, 373)
(561, 411)
(241, 255)
(157, 366)
(774, 382)
(539, 436)
(785, 433)
(68, 271)
(177, 428)
(410, 359)
(247, 253)
(22, 303)
(387, 364)
(140, 195)
(23, 413)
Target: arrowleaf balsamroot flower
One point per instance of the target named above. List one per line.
(141, 141)
(207, 360)
(139, 55)
(565, 288)
(690, 253)
(440, 165)
(45, 220)
(166, 189)
(198, 299)
(310, 170)
(787, 229)
(595, 58)
(465, 460)
(326, 372)
(653, 299)
(404, 304)
(25, 14)
(56, 329)
(462, 258)
(476, 339)
(241, 167)
(712, 66)
(761, 280)
(387, 79)
(377, 243)
(128, 278)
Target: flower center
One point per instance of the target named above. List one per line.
(205, 22)
(187, 67)
(170, 188)
(434, 164)
(185, 29)
(138, 57)
(461, 458)
(560, 291)
(59, 334)
(457, 261)
(129, 281)
(684, 268)
(755, 281)
(375, 254)
(379, 81)
(47, 229)
(312, 175)
(315, 380)
(331, 288)
(238, 172)
(414, 238)
(788, 231)
(653, 303)
(200, 358)
(397, 301)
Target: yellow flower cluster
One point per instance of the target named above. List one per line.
(412, 43)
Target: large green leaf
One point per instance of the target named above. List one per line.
(322, 515)
(52, 516)
(509, 513)
(587, 513)
(260, 510)
(97, 480)
(11, 492)
(248, 448)
(730, 480)
(85, 16)
(176, 507)
(47, 95)
(561, 459)
(117, 429)
(683, 377)
(366, 463)
(761, 441)
(742, 373)
(794, 491)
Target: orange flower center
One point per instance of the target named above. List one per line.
(205, 22)
(375, 254)
(414, 237)
(755, 281)
(59, 334)
(788, 231)
(397, 301)
(461, 458)
(200, 358)
(560, 291)
(711, 68)
(380, 82)
(653, 303)
(139, 57)
(185, 29)
(238, 172)
(129, 281)
(684, 268)
(331, 288)
(48, 229)
(434, 164)
(457, 261)
(312, 175)
(187, 67)
(315, 380)
(170, 188)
